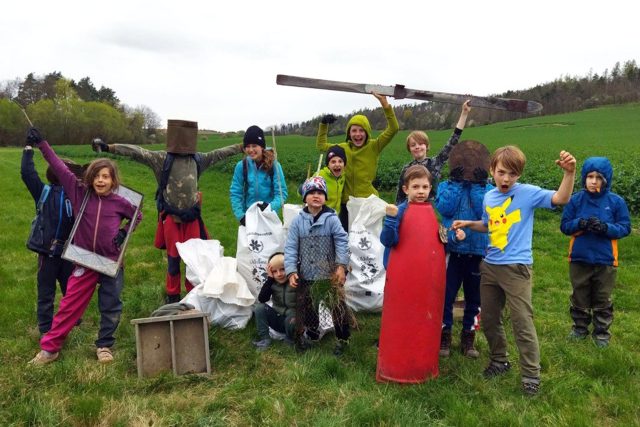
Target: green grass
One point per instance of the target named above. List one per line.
(582, 385)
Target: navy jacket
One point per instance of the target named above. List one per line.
(608, 207)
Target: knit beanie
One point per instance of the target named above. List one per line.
(336, 150)
(314, 183)
(254, 135)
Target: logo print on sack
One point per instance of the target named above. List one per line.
(369, 269)
(364, 244)
(259, 274)
(256, 246)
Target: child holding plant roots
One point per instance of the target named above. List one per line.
(316, 256)
(100, 231)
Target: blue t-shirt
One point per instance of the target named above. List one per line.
(509, 217)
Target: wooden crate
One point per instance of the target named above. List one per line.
(177, 343)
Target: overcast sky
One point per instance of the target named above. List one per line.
(216, 62)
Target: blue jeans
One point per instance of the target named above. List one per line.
(267, 317)
(463, 269)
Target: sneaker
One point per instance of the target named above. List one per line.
(340, 348)
(575, 335)
(530, 386)
(104, 355)
(496, 368)
(466, 344)
(43, 357)
(262, 344)
(445, 343)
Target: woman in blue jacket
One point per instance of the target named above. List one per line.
(257, 178)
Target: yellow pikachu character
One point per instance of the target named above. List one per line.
(500, 223)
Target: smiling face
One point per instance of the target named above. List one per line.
(254, 152)
(504, 177)
(278, 273)
(357, 135)
(593, 182)
(417, 189)
(103, 182)
(418, 149)
(336, 166)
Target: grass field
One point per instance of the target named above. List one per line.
(582, 385)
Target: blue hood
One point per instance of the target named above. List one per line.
(602, 165)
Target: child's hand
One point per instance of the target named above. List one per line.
(339, 277)
(458, 223)
(293, 280)
(567, 162)
(382, 99)
(460, 234)
(391, 210)
(466, 108)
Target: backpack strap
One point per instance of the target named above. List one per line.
(43, 197)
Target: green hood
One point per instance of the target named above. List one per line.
(361, 121)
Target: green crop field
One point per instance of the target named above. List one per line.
(581, 384)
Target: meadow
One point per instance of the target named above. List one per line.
(581, 385)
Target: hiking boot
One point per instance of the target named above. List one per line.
(104, 355)
(466, 344)
(445, 343)
(340, 348)
(302, 344)
(171, 299)
(262, 344)
(530, 386)
(43, 358)
(576, 336)
(496, 368)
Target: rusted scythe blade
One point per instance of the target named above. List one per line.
(400, 92)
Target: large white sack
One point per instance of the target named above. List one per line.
(199, 256)
(225, 283)
(364, 288)
(228, 316)
(231, 308)
(257, 241)
(289, 213)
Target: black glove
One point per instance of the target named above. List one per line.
(242, 221)
(119, 239)
(99, 146)
(480, 175)
(596, 226)
(263, 205)
(583, 224)
(34, 137)
(456, 174)
(328, 119)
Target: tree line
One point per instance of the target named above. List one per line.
(619, 85)
(70, 112)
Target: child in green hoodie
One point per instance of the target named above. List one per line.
(362, 152)
(332, 173)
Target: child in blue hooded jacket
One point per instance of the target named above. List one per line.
(595, 218)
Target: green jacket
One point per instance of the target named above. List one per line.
(362, 162)
(335, 185)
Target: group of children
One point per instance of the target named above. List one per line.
(489, 241)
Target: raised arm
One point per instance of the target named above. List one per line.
(212, 157)
(392, 123)
(29, 174)
(568, 164)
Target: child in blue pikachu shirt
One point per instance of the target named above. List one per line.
(595, 218)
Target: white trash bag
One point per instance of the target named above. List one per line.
(261, 237)
(364, 288)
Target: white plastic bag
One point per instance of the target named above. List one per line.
(364, 287)
(199, 256)
(257, 241)
(228, 316)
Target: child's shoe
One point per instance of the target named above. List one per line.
(600, 343)
(445, 343)
(262, 344)
(104, 355)
(530, 386)
(171, 299)
(340, 348)
(44, 357)
(466, 344)
(496, 368)
(576, 335)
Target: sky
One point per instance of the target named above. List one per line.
(215, 62)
